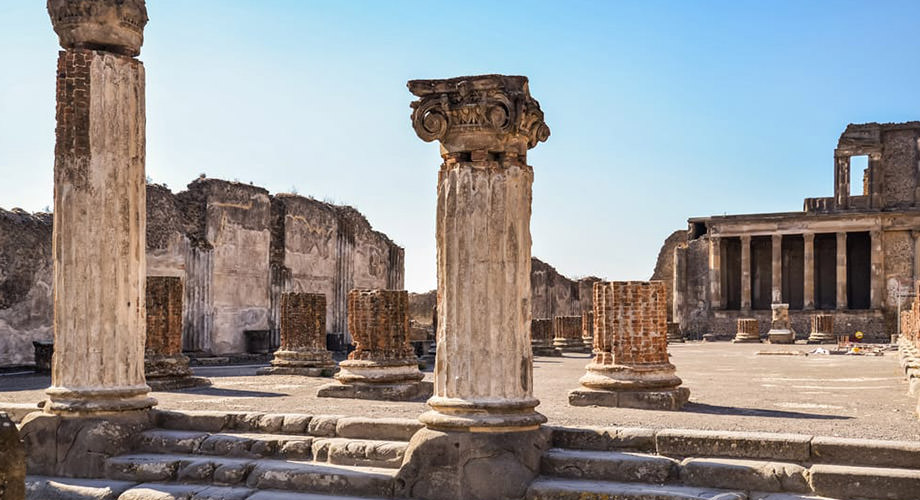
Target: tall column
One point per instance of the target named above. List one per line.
(841, 271)
(715, 272)
(776, 277)
(745, 272)
(483, 381)
(99, 209)
(877, 270)
(808, 285)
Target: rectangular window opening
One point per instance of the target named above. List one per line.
(859, 172)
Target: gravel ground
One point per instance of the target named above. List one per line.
(732, 388)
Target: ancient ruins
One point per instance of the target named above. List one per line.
(131, 279)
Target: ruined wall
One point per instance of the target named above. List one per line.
(664, 266)
(898, 249)
(899, 157)
(693, 311)
(25, 284)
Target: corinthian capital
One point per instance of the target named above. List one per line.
(493, 113)
(111, 25)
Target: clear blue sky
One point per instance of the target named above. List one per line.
(659, 110)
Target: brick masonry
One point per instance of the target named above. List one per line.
(303, 337)
(164, 316)
(379, 322)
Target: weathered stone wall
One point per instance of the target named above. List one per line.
(898, 248)
(236, 248)
(25, 284)
(664, 266)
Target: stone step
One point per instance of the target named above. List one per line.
(342, 451)
(840, 481)
(45, 488)
(759, 475)
(544, 488)
(608, 466)
(251, 473)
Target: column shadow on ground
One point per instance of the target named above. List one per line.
(757, 412)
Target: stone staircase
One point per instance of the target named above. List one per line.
(643, 464)
(205, 455)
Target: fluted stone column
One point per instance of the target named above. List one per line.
(165, 367)
(541, 338)
(808, 285)
(745, 272)
(483, 397)
(630, 367)
(748, 330)
(822, 329)
(587, 329)
(781, 331)
(567, 334)
(383, 365)
(715, 272)
(303, 337)
(841, 271)
(776, 277)
(99, 209)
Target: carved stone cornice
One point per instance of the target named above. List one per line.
(492, 113)
(111, 25)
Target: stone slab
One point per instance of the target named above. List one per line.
(839, 481)
(414, 391)
(750, 445)
(866, 452)
(603, 438)
(392, 429)
(571, 489)
(732, 473)
(177, 383)
(672, 399)
(207, 421)
(297, 370)
(18, 411)
(59, 488)
(608, 465)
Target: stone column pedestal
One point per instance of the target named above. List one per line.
(781, 331)
(383, 365)
(541, 338)
(587, 329)
(822, 329)
(99, 210)
(674, 334)
(165, 366)
(303, 338)
(483, 438)
(567, 334)
(748, 330)
(630, 368)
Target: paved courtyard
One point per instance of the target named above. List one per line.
(732, 388)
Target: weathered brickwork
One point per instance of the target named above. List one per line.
(303, 337)
(383, 365)
(164, 316)
(748, 330)
(630, 367)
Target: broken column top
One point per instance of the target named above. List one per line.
(110, 25)
(489, 113)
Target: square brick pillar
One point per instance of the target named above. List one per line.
(99, 209)
(165, 366)
(630, 368)
(383, 365)
(541, 338)
(303, 337)
(567, 334)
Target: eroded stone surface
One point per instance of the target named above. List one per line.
(12, 461)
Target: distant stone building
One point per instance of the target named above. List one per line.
(237, 249)
(854, 254)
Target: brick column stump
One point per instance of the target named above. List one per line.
(541, 338)
(165, 367)
(303, 338)
(383, 365)
(630, 368)
(748, 330)
(781, 331)
(674, 334)
(587, 330)
(567, 334)
(822, 329)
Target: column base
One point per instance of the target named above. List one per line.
(451, 414)
(781, 337)
(588, 342)
(570, 345)
(409, 391)
(668, 399)
(822, 338)
(452, 465)
(64, 401)
(306, 363)
(743, 338)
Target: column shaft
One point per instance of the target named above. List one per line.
(745, 273)
(776, 277)
(715, 272)
(841, 271)
(808, 285)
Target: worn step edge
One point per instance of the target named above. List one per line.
(844, 481)
(608, 466)
(573, 489)
(734, 473)
(65, 488)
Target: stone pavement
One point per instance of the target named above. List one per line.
(732, 389)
